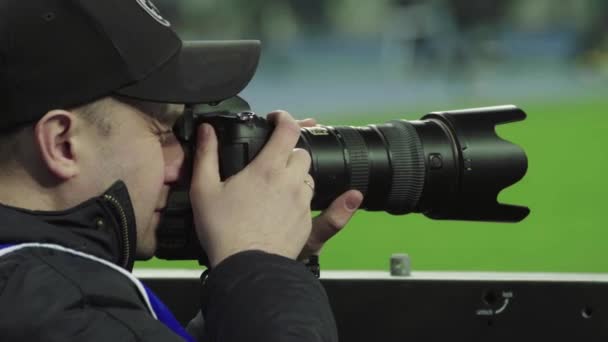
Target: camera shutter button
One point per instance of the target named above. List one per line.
(246, 116)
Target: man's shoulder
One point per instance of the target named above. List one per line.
(55, 296)
(41, 276)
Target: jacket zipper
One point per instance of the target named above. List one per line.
(124, 228)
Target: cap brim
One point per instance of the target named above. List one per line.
(202, 72)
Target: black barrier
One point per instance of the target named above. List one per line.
(449, 307)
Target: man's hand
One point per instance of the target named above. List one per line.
(331, 220)
(264, 207)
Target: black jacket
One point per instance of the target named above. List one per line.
(47, 295)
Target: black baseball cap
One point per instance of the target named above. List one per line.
(64, 53)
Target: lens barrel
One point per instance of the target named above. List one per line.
(385, 162)
(448, 165)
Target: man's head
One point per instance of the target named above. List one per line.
(77, 83)
(70, 156)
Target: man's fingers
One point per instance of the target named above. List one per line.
(206, 172)
(307, 123)
(330, 222)
(299, 161)
(335, 217)
(277, 150)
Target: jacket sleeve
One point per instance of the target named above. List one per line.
(256, 296)
(104, 324)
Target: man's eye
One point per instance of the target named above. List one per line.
(164, 137)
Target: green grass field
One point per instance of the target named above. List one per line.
(565, 187)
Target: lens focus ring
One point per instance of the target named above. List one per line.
(407, 159)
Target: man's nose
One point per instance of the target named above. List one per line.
(174, 161)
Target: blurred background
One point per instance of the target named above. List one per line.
(358, 62)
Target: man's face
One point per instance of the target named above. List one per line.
(143, 152)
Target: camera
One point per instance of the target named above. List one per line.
(449, 165)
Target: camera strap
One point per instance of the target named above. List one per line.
(155, 306)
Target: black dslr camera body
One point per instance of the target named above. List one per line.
(447, 165)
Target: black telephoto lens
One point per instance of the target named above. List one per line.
(448, 165)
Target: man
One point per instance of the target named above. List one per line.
(87, 158)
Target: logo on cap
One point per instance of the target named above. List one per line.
(153, 11)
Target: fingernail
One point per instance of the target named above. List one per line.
(352, 203)
(206, 130)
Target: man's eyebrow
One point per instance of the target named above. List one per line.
(170, 113)
(163, 113)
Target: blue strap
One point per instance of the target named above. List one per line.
(162, 312)
(166, 316)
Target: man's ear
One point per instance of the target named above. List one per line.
(55, 138)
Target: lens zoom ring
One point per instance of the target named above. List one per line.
(407, 158)
(358, 156)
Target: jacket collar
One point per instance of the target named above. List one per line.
(103, 226)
